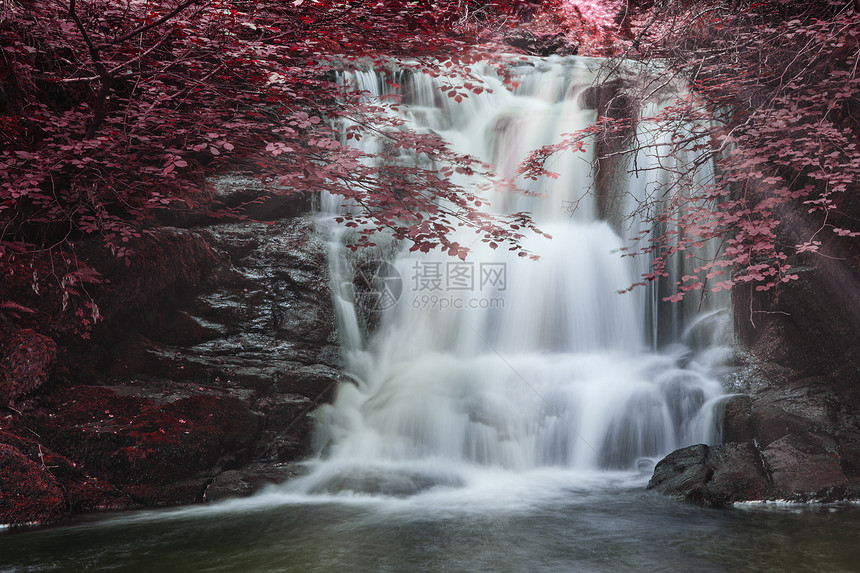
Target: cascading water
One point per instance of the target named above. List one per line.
(505, 366)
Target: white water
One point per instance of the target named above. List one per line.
(549, 370)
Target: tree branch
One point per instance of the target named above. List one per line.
(151, 25)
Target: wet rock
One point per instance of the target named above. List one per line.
(541, 44)
(182, 492)
(27, 362)
(134, 441)
(248, 480)
(287, 430)
(316, 382)
(216, 344)
(682, 472)
(802, 468)
(712, 475)
(738, 474)
(93, 494)
(249, 197)
(28, 491)
(241, 197)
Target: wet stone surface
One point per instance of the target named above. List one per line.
(216, 346)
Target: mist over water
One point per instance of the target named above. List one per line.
(500, 367)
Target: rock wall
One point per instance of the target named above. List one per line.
(792, 431)
(219, 339)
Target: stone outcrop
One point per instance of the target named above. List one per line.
(218, 340)
(541, 44)
(792, 432)
(28, 493)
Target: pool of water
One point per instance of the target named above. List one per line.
(544, 521)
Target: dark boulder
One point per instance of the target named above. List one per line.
(712, 475)
(27, 362)
(247, 480)
(541, 44)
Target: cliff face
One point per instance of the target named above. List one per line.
(793, 430)
(218, 339)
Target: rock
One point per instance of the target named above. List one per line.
(800, 470)
(712, 475)
(242, 197)
(541, 44)
(802, 424)
(26, 365)
(794, 446)
(738, 474)
(135, 441)
(29, 494)
(215, 346)
(682, 472)
(164, 267)
(772, 413)
(737, 422)
(810, 329)
(616, 100)
(248, 480)
(248, 197)
(314, 382)
(181, 492)
(81, 491)
(93, 494)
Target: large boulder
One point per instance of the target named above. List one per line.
(27, 362)
(713, 475)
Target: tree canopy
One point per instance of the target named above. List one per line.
(772, 100)
(113, 111)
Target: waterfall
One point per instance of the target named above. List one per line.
(504, 364)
